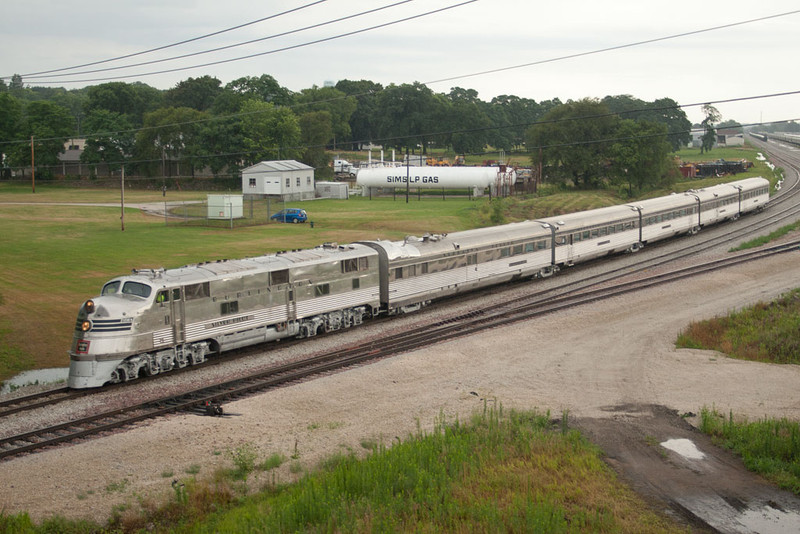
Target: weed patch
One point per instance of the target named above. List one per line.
(770, 447)
(766, 332)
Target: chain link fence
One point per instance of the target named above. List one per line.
(220, 211)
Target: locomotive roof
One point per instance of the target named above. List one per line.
(202, 272)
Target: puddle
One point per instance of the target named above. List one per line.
(39, 376)
(768, 519)
(684, 447)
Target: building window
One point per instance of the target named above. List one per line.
(252, 182)
(308, 180)
(288, 182)
(298, 181)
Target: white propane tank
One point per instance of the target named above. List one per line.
(434, 177)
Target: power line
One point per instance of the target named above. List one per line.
(612, 48)
(235, 45)
(274, 51)
(164, 47)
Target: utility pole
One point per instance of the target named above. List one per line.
(33, 169)
(408, 174)
(122, 198)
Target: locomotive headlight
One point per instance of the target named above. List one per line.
(86, 326)
(89, 306)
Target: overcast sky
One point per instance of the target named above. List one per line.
(454, 47)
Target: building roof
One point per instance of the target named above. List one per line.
(276, 166)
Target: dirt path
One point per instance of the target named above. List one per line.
(612, 366)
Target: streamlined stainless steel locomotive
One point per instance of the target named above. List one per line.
(153, 321)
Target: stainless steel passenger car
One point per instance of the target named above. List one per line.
(417, 270)
(155, 320)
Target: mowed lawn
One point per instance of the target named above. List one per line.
(55, 256)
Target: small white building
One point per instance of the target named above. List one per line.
(285, 179)
(730, 137)
(338, 190)
(225, 207)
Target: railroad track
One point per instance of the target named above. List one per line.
(565, 293)
(199, 400)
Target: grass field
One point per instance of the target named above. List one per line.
(55, 256)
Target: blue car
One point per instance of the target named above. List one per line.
(292, 215)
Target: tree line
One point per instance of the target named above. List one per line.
(207, 125)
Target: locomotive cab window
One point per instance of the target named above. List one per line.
(162, 296)
(110, 288)
(137, 288)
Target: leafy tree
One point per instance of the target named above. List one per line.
(336, 103)
(667, 112)
(409, 114)
(10, 127)
(264, 88)
(640, 155)
(574, 139)
(269, 132)
(111, 140)
(222, 139)
(664, 110)
(195, 93)
(49, 124)
(170, 135)
(316, 130)
(730, 125)
(511, 116)
(710, 133)
(10, 118)
(363, 127)
(466, 121)
(132, 100)
(17, 88)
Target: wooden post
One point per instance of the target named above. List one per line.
(33, 169)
